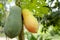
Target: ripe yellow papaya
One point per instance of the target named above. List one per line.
(30, 21)
(13, 22)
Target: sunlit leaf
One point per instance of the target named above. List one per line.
(36, 6)
(9, 0)
(1, 5)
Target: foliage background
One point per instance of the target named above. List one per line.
(46, 11)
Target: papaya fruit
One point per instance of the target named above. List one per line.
(30, 21)
(13, 23)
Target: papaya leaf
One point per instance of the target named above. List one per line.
(36, 6)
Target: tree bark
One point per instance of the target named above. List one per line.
(21, 35)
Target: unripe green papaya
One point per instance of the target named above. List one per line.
(13, 22)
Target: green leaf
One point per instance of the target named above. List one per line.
(0, 15)
(1, 5)
(32, 38)
(9, 0)
(36, 6)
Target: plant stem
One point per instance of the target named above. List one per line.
(21, 35)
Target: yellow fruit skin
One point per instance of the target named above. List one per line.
(30, 21)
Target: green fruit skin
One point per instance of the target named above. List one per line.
(13, 23)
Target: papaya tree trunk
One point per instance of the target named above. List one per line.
(21, 35)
